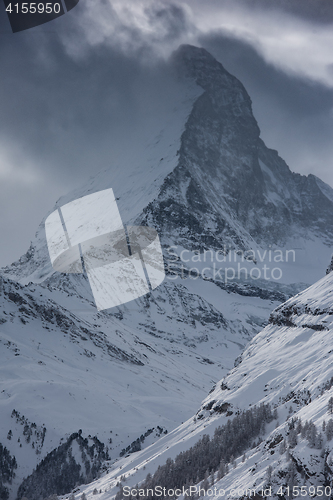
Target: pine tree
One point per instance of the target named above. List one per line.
(311, 435)
(304, 429)
(330, 405)
(269, 474)
(205, 482)
(319, 441)
(119, 494)
(292, 438)
(291, 475)
(299, 426)
(221, 472)
(329, 430)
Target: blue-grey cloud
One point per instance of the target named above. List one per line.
(77, 92)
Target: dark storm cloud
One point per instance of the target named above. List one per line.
(316, 11)
(77, 92)
(68, 115)
(63, 119)
(69, 103)
(319, 11)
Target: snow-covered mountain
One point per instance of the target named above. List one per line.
(204, 179)
(220, 200)
(285, 376)
(65, 366)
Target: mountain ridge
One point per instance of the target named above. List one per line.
(150, 362)
(233, 195)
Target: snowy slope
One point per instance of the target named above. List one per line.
(146, 365)
(287, 365)
(205, 181)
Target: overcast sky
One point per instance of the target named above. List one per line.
(76, 91)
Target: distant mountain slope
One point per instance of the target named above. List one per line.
(64, 366)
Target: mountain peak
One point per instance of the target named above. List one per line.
(199, 64)
(193, 53)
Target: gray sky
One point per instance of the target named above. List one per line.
(77, 91)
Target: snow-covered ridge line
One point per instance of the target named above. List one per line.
(288, 367)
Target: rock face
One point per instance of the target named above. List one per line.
(330, 267)
(205, 181)
(228, 187)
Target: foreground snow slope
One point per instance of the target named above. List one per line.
(65, 366)
(289, 366)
